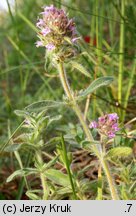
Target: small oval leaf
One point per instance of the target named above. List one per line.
(12, 147)
(32, 194)
(57, 177)
(43, 105)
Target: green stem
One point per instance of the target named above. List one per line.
(99, 188)
(76, 108)
(64, 81)
(89, 136)
(23, 181)
(130, 84)
(87, 106)
(111, 183)
(43, 180)
(68, 168)
(17, 155)
(121, 51)
(98, 32)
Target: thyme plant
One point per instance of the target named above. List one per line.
(57, 34)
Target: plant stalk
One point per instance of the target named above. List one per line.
(89, 136)
(121, 51)
(43, 180)
(67, 164)
(111, 183)
(76, 108)
(87, 106)
(130, 84)
(99, 190)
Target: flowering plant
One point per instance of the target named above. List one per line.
(57, 33)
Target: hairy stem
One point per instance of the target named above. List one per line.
(99, 190)
(111, 183)
(43, 180)
(89, 136)
(76, 108)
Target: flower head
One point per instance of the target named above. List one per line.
(106, 125)
(55, 29)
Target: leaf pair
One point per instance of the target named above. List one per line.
(47, 104)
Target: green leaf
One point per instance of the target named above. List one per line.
(43, 105)
(119, 152)
(64, 190)
(80, 68)
(88, 145)
(22, 113)
(31, 194)
(52, 141)
(15, 174)
(50, 163)
(90, 56)
(55, 118)
(57, 177)
(21, 173)
(100, 82)
(12, 147)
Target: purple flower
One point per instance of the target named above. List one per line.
(101, 119)
(39, 44)
(75, 39)
(27, 122)
(113, 116)
(106, 125)
(40, 23)
(111, 134)
(50, 46)
(49, 8)
(115, 127)
(54, 27)
(93, 124)
(45, 31)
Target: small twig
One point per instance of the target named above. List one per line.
(87, 106)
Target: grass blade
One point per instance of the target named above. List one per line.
(68, 167)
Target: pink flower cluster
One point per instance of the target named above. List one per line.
(106, 125)
(54, 27)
